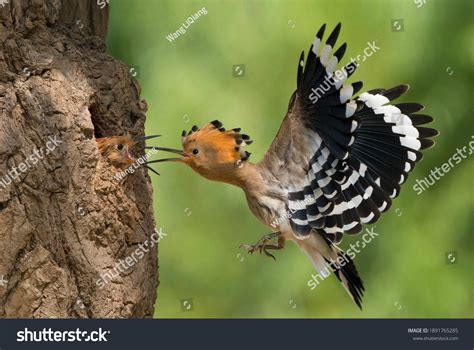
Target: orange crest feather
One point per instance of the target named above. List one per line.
(229, 144)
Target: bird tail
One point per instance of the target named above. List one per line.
(326, 257)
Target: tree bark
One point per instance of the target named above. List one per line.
(64, 220)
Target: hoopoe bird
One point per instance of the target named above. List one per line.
(336, 163)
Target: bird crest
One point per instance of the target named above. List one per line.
(228, 145)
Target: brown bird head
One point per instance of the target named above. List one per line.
(212, 151)
(116, 150)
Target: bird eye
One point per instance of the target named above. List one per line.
(195, 151)
(120, 147)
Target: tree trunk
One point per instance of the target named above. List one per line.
(70, 233)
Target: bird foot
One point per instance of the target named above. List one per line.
(263, 246)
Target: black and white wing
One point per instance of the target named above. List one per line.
(343, 158)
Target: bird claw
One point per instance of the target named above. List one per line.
(261, 246)
(249, 248)
(269, 254)
(252, 248)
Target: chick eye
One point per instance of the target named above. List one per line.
(195, 151)
(120, 147)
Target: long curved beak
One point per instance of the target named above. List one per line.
(172, 150)
(177, 151)
(144, 138)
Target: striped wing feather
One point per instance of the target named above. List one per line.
(356, 151)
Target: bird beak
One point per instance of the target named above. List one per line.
(127, 156)
(143, 138)
(177, 151)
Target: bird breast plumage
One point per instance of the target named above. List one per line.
(270, 207)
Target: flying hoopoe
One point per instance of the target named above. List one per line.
(336, 163)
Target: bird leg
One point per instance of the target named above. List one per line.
(263, 246)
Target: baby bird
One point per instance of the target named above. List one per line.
(117, 150)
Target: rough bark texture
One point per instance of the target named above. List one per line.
(65, 220)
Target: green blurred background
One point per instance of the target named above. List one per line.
(190, 81)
